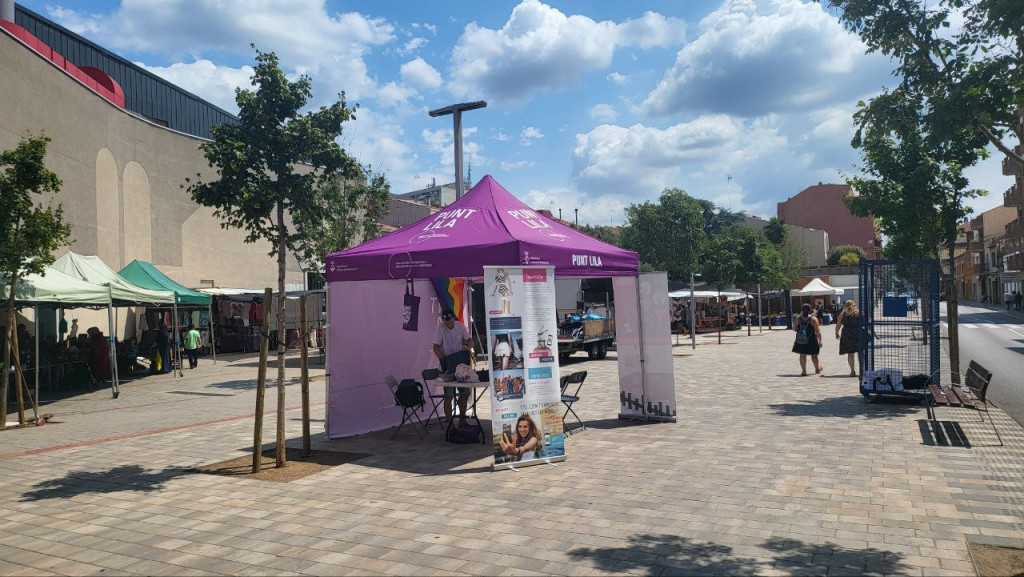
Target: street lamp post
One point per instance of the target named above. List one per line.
(693, 316)
(456, 111)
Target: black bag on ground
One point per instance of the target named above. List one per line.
(465, 435)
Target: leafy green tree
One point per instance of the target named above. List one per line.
(721, 263)
(262, 181)
(970, 82)
(849, 259)
(343, 215)
(667, 236)
(29, 235)
(717, 218)
(608, 234)
(835, 253)
(776, 230)
(794, 259)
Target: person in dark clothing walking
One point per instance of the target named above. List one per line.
(163, 345)
(1017, 297)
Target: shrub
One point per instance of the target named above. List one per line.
(837, 253)
(849, 259)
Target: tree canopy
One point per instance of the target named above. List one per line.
(836, 253)
(667, 236)
(30, 232)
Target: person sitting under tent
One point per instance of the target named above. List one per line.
(451, 346)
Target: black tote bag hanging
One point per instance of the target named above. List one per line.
(410, 308)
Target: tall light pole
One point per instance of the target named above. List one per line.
(456, 111)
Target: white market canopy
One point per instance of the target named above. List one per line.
(699, 294)
(55, 287)
(816, 287)
(93, 269)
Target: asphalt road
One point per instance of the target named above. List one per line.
(995, 339)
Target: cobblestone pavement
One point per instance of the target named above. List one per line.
(764, 473)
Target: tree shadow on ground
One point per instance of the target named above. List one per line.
(123, 478)
(289, 362)
(605, 424)
(250, 384)
(849, 407)
(654, 554)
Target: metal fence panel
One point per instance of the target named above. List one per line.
(899, 309)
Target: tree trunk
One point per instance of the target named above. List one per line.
(304, 368)
(721, 321)
(282, 248)
(951, 317)
(261, 386)
(6, 360)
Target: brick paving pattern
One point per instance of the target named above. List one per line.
(765, 473)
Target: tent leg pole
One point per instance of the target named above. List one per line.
(213, 338)
(177, 344)
(112, 350)
(37, 356)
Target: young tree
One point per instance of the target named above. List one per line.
(667, 236)
(602, 233)
(721, 263)
(261, 181)
(29, 235)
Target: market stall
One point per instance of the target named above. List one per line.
(369, 284)
(122, 293)
(819, 294)
(195, 307)
(711, 309)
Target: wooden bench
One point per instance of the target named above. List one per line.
(970, 395)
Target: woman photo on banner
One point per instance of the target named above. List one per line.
(524, 443)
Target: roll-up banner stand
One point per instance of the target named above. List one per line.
(644, 348)
(522, 335)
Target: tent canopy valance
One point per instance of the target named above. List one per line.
(93, 269)
(55, 287)
(487, 226)
(147, 276)
(704, 294)
(816, 287)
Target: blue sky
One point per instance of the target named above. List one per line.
(591, 105)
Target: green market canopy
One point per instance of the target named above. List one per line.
(145, 275)
(93, 269)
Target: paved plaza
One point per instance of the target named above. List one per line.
(764, 473)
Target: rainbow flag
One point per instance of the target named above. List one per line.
(451, 293)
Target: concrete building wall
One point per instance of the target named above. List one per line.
(122, 179)
(821, 207)
(813, 242)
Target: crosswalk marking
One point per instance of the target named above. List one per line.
(1008, 327)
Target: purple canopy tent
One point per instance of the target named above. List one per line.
(367, 284)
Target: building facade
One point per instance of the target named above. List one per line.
(821, 207)
(123, 169)
(985, 234)
(1012, 245)
(813, 242)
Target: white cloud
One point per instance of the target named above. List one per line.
(203, 78)
(441, 142)
(420, 73)
(84, 24)
(617, 78)
(641, 160)
(510, 166)
(394, 94)
(412, 45)
(540, 48)
(603, 112)
(501, 137)
(749, 60)
(529, 134)
(592, 209)
(428, 27)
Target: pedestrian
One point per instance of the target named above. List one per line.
(848, 333)
(1008, 299)
(1017, 298)
(808, 339)
(192, 343)
(163, 345)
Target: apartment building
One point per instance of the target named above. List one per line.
(1011, 247)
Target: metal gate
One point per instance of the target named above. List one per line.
(899, 313)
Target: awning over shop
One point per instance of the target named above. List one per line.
(699, 294)
(93, 269)
(147, 276)
(55, 287)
